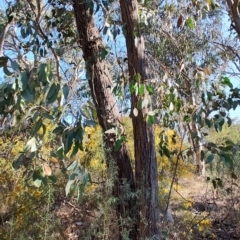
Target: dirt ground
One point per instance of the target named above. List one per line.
(220, 206)
(194, 204)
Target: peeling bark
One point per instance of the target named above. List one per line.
(145, 155)
(197, 147)
(90, 42)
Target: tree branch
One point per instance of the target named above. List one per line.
(234, 11)
(3, 35)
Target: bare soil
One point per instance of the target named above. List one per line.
(222, 209)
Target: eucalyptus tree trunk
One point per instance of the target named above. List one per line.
(194, 132)
(196, 146)
(233, 6)
(90, 42)
(145, 155)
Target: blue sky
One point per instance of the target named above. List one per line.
(2, 4)
(234, 80)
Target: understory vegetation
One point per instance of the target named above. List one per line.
(192, 207)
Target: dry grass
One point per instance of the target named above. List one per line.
(200, 212)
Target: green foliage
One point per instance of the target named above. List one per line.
(25, 209)
(186, 86)
(224, 145)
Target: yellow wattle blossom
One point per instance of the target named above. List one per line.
(204, 225)
(188, 204)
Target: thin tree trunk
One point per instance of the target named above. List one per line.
(100, 84)
(197, 147)
(145, 155)
(194, 133)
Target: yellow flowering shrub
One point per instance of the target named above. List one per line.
(197, 223)
(187, 204)
(204, 225)
(92, 158)
(167, 166)
(23, 207)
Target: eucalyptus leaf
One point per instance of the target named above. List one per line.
(68, 186)
(53, 98)
(91, 123)
(141, 89)
(65, 91)
(18, 163)
(190, 23)
(52, 90)
(37, 183)
(58, 130)
(103, 53)
(68, 141)
(80, 193)
(75, 149)
(27, 95)
(72, 165)
(150, 119)
(36, 127)
(14, 65)
(42, 73)
(111, 131)
(118, 145)
(3, 61)
(23, 81)
(48, 116)
(60, 153)
(31, 145)
(209, 159)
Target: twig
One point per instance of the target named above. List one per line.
(194, 225)
(175, 173)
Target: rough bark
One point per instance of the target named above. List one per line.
(100, 84)
(145, 155)
(234, 11)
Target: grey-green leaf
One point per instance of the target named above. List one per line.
(27, 95)
(72, 165)
(209, 158)
(51, 90)
(54, 96)
(48, 116)
(23, 81)
(68, 187)
(65, 91)
(68, 142)
(91, 123)
(14, 65)
(6, 71)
